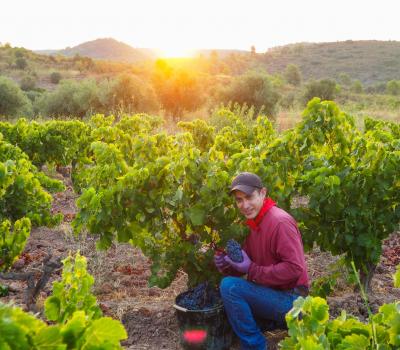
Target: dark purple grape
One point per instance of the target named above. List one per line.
(234, 251)
(199, 298)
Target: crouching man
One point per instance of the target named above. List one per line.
(273, 259)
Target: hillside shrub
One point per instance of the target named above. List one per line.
(70, 99)
(393, 87)
(178, 91)
(28, 82)
(12, 100)
(130, 94)
(55, 77)
(325, 89)
(293, 75)
(253, 89)
(21, 63)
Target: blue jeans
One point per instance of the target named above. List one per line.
(245, 302)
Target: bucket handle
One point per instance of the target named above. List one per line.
(180, 308)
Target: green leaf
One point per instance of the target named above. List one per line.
(49, 338)
(197, 215)
(397, 277)
(354, 342)
(74, 328)
(104, 330)
(52, 308)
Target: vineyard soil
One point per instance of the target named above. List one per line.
(121, 275)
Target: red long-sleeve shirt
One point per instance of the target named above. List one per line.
(276, 250)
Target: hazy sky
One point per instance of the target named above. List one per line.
(175, 25)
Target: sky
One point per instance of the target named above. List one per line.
(178, 26)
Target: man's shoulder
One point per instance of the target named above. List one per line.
(278, 215)
(275, 217)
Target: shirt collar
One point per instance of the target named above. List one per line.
(268, 204)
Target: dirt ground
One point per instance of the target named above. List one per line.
(121, 275)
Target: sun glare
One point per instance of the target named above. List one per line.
(175, 52)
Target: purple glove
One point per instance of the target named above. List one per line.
(241, 267)
(220, 262)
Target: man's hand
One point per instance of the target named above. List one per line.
(220, 262)
(241, 267)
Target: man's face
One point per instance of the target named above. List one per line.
(250, 204)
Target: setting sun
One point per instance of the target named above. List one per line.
(175, 52)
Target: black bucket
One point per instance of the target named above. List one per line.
(207, 329)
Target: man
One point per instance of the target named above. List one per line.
(273, 259)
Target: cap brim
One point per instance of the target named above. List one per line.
(243, 188)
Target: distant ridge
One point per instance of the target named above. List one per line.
(105, 49)
(369, 61)
(114, 50)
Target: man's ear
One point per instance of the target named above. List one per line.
(263, 192)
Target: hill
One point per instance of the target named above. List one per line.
(113, 50)
(106, 49)
(369, 61)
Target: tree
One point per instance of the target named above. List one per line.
(325, 89)
(357, 87)
(253, 89)
(131, 94)
(28, 82)
(21, 63)
(55, 77)
(12, 100)
(71, 99)
(179, 91)
(344, 79)
(293, 75)
(393, 87)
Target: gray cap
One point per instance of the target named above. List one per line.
(246, 182)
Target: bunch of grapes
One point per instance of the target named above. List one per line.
(199, 298)
(234, 251)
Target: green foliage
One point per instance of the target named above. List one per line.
(324, 286)
(22, 189)
(253, 89)
(21, 63)
(397, 277)
(325, 89)
(344, 79)
(4, 291)
(203, 134)
(393, 87)
(357, 87)
(72, 293)
(351, 180)
(79, 324)
(12, 99)
(310, 328)
(71, 98)
(131, 94)
(28, 82)
(52, 142)
(12, 241)
(55, 77)
(336, 272)
(293, 75)
(21, 330)
(178, 90)
(23, 199)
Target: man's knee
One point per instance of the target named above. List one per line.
(228, 284)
